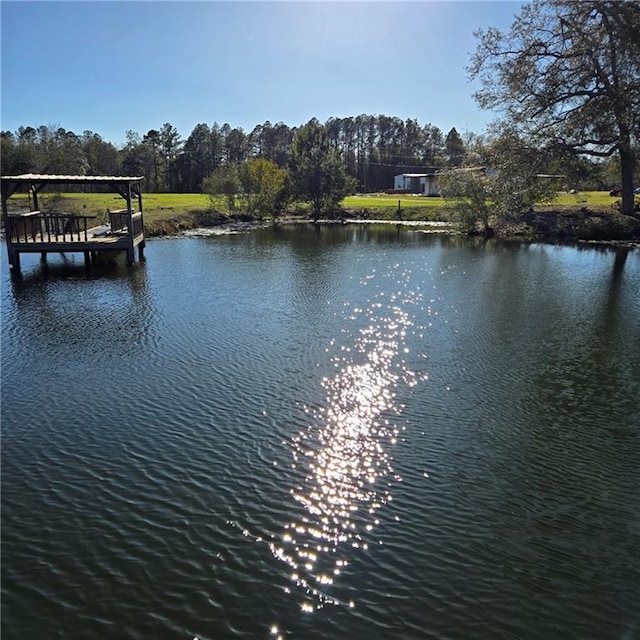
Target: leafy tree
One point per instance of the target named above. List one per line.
(236, 146)
(519, 180)
(133, 154)
(261, 186)
(102, 157)
(7, 149)
(59, 151)
(469, 191)
(507, 184)
(153, 141)
(568, 75)
(255, 140)
(361, 128)
(455, 148)
(223, 182)
(170, 144)
(198, 158)
(433, 154)
(27, 135)
(316, 169)
(215, 145)
(278, 140)
(413, 140)
(18, 153)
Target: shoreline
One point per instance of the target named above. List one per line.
(556, 227)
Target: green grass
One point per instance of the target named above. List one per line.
(596, 199)
(374, 201)
(156, 206)
(161, 207)
(591, 199)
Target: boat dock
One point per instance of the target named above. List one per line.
(36, 232)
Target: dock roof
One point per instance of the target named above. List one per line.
(124, 185)
(30, 178)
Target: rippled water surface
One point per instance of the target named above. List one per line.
(323, 433)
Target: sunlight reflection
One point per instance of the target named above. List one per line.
(345, 453)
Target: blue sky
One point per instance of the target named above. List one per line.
(112, 66)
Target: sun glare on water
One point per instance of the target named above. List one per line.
(346, 454)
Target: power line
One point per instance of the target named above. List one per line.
(401, 164)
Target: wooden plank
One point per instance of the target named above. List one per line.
(24, 214)
(59, 244)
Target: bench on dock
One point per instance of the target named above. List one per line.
(121, 219)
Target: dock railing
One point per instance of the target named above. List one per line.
(136, 223)
(119, 220)
(125, 221)
(34, 226)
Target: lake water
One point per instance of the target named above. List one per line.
(342, 432)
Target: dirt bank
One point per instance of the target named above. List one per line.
(571, 225)
(566, 225)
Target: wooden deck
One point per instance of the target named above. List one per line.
(34, 232)
(37, 232)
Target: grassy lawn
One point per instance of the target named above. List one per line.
(375, 201)
(160, 207)
(593, 199)
(156, 206)
(590, 199)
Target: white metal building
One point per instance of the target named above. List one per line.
(422, 183)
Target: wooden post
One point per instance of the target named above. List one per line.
(140, 208)
(129, 199)
(5, 220)
(131, 256)
(8, 189)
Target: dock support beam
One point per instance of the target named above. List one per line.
(14, 259)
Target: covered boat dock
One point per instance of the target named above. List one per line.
(33, 231)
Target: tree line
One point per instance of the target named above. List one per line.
(373, 148)
(565, 79)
